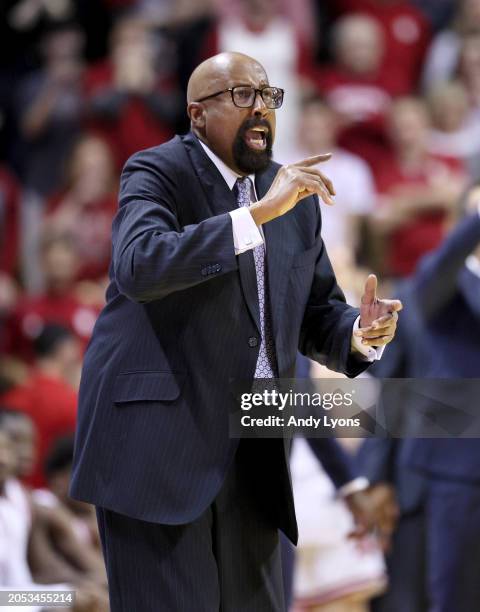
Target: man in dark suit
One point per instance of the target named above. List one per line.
(436, 550)
(217, 275)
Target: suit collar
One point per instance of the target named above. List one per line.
(469, 286)
(221, 200)
(473, 264)
(219, 197)
(229, 176)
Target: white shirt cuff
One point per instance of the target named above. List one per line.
(246, 234)
(368, 352)
(354, 486)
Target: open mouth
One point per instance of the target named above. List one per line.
(256, 138)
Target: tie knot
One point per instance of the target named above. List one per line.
(243, 186)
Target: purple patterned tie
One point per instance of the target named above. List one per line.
(267, 361)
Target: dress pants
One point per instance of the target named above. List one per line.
(406, 562)
(435, 560)
(227, 560)
(453, 546)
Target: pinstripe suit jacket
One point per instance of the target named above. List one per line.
(152, 437)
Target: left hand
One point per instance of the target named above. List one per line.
(378, 318)
(376, 508)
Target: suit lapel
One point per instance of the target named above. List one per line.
(222, 200)
(219, 196)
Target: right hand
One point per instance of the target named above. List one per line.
(293, 183)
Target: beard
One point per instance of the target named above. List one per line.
(249, 160)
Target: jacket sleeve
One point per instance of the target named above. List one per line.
(336, 462)
(327, 325)
(153, 255)
(435, 281)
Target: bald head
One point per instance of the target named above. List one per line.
(242, 136)
(216, 73)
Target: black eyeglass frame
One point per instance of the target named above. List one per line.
(257, 91)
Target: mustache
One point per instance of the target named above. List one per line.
(254, 122)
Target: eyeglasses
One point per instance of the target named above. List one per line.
(244, 96)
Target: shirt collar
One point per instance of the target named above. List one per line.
(228, 174)
(473, 264)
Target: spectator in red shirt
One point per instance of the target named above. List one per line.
(64, 301)
(85, 208)
(354, 87)
(417, 189)
(406, 34)
(48, 396)
(127, 101)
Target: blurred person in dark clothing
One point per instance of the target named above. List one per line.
(436, 551)
(85, 207)
(49, 107)
(417, 189)
(48, 395)
(129, 102)
(63, 301)
(438, 12)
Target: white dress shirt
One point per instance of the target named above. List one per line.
(247, 235)
(473, 262)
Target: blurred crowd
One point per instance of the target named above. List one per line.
(390, 87)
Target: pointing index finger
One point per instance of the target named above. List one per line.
(370, 291)
(315, 159)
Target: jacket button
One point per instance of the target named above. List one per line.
(253, 341)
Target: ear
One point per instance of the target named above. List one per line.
(197, 114)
